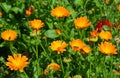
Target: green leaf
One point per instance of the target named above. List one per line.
(15, 9)
(6, 7)
(2, 44)
(105, 27)
(78, 2)
(51, 34)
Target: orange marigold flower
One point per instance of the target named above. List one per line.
(54, 66)
(82, 22)
(36, 24)
(0, 13)
(107, 1)
(9, 35)
(105, 35)
(107, 48)
(118, 7)
(87, 49)
(58, 31)
(17, 62)
(60, 11)
(28, 13)
(94, 34)
(77, 45)
(58, 46)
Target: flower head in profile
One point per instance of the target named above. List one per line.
(82, 22)
(29, 11)
(107, 48)
(36, 24)
(86, 49)
(52, 66)
(17, 62)
(77, 76)
(60, 11)
(77, 44)
(94, 34)
(0, 14)
(58, 31)
(58, 46)
(118, 7)
(9, 35)
(106, 35)
(107, 1)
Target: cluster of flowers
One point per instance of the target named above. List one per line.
(18, 62)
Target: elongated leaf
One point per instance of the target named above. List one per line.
(51, 34)
(5, 7)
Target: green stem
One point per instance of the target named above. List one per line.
(26, 76)
(44, 51)
(61, 64)
(11, 48)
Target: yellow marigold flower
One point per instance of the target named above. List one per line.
(105, 35)
(77, 45)
(107, 48)
(9, 35)
(58, 31)
(94, 34)
(60, 12)
(118, 7)
(36, 24)
(87, 49)
(58, 46)
(0, 13)
(82, 22)
(107, 1)
(17, 62)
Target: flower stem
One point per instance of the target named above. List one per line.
(61, 64)
(26, 76)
